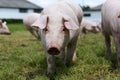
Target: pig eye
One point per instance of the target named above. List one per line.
(45, 29)
(93, 27)
(64, 29)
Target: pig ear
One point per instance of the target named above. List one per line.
(41, 22)
(70, 24)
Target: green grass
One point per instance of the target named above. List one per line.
(22, 58)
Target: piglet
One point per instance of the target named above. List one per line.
(4, 29)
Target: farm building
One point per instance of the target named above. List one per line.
(94, 13)
(17, 9)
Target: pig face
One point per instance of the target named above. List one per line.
(95, 29)
(54, 32)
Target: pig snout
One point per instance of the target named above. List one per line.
(95, 29)
(53, 49)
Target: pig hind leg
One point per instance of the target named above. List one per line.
(108, 45)
(117, 46)
(34, 33)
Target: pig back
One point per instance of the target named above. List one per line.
(110, 16)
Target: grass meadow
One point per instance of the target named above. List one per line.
(22, 58)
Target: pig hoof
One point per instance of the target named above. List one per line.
(67, 64)
(108, 56)
(108, 53)
(50, 76)
(118, 69)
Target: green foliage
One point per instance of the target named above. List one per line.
(85, 8)
(16, 27)
(13, 21)
(22, 58)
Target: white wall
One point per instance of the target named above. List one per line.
(95, 16)
(10, 13)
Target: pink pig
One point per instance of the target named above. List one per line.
(111, 26)
(58, 26)
(90, 26)
(28, 21)
(3, 28)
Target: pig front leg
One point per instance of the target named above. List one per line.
(62, 54)
(32, 32)
(70, 52)
(51, 66)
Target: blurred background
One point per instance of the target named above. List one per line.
(15, 10)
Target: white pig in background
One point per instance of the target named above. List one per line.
(89, 26)
(28, 21)
(58, 26)
(3, 28)
(111, 26)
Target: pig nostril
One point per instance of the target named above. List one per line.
(53, 51)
